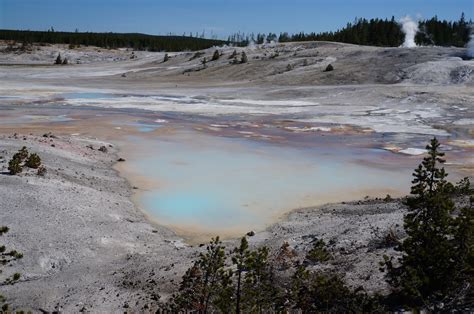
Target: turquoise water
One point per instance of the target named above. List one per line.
(211, 184)
(87, 95)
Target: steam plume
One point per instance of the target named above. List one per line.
(470, 45)
(409, 28)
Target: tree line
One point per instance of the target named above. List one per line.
(111, 40)
(375, 32)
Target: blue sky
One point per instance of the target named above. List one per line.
(220, 17)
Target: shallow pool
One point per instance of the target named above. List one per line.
(213, 185)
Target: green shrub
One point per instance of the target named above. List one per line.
(318, 252)
(22, 154)
(233, 55)
(34, 161)
(244, 58)
(215, 56)
(196, 55)
(41, 171)
(388, 198)
(323, 292)
(24, 159)
(329, 68)
(14, 166)
(58, 60)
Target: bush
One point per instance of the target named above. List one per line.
(58, 60)
(24, 159)
(14, 166)
(41, 171)
(323, 292)
(215, 56)
(34, 161)
(196, 55)
(329, 68)
(233, 55)
(22, 154)
(318, 252)
(244, 58)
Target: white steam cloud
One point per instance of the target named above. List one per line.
(470, 45)
(252, 45)
(409, 28)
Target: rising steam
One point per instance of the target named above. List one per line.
(470, 45)
(409, 28)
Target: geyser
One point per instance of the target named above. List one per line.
(409, 28)
(470, 46)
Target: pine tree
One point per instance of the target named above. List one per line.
(259, 290)
(14, 166)
(464, 238)
(215, 56)
(33, 161)
(427, 269)
(239, 258)
(205, 283)
(58, 59)
(244, 58)
(233, 55)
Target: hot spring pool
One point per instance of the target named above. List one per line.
(200, 184)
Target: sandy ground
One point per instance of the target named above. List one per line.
(88, 247)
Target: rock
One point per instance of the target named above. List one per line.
(103, 149)
(121, 159)
(251, 233)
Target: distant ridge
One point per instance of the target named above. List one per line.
(135, 41)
